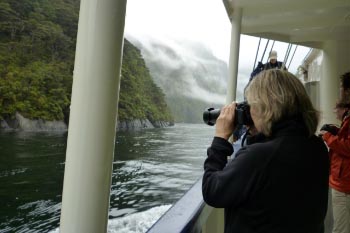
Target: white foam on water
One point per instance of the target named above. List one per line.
(57, 230)
(137, 222)
(134, 223)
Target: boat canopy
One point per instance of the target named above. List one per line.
(302, 22)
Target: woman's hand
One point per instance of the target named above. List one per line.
(225, 122)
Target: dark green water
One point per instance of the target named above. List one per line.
(151, 168)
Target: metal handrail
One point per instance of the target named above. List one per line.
(256, 55)
(187, 215)
(263, 55)
(291, 59)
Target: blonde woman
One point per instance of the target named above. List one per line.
(281, 183)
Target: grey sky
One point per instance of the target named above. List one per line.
(204, 21)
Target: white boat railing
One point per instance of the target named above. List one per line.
(190, 214)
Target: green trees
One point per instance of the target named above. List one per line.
(139, 97)
(36, 90)
(36, 59)
(37, 48)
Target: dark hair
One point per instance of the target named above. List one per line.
(342, 105)
(345, 80)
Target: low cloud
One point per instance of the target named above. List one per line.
(184, 68)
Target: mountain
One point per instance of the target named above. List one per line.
(37, 50)
(140, 97)
(191, 77)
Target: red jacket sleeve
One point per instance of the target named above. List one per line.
(340, 143)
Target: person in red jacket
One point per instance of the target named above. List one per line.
(338, 142)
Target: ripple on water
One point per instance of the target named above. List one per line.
(151, 168)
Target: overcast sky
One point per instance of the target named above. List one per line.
(204, 21)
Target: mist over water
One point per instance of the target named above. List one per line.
(191, 77)
(185, 68)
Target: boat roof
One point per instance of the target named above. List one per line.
(303, 22)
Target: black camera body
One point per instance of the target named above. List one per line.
(242, 115)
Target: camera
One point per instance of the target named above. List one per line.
(242, 115)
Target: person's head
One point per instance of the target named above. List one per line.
(273, 57)
(345, 87)
(345, 80)
(275, 95)
(341, 109)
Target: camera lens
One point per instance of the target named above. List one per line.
(242, 115)
(210, 115)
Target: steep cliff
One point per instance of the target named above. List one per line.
(37, 49)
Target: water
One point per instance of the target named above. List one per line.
(152, 169)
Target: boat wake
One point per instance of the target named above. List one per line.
(136, 222)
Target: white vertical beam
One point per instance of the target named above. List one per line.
(215, 221)
(91, 137)
(336, 55)
(329, 87)
(236, 20)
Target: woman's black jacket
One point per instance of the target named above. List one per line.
(276, 186)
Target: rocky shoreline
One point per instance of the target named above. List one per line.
(20, 123)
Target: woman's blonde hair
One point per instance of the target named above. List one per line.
(278, 95)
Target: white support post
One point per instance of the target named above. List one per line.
(92, 127)
(329, 84)
(335, 63)
(234, 55)
(215, 221)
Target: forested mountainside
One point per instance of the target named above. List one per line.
(190, 75)
(37, 48)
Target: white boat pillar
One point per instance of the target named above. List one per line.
(234, 55)
(215, 221)
(336, 56)
(92, 128)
